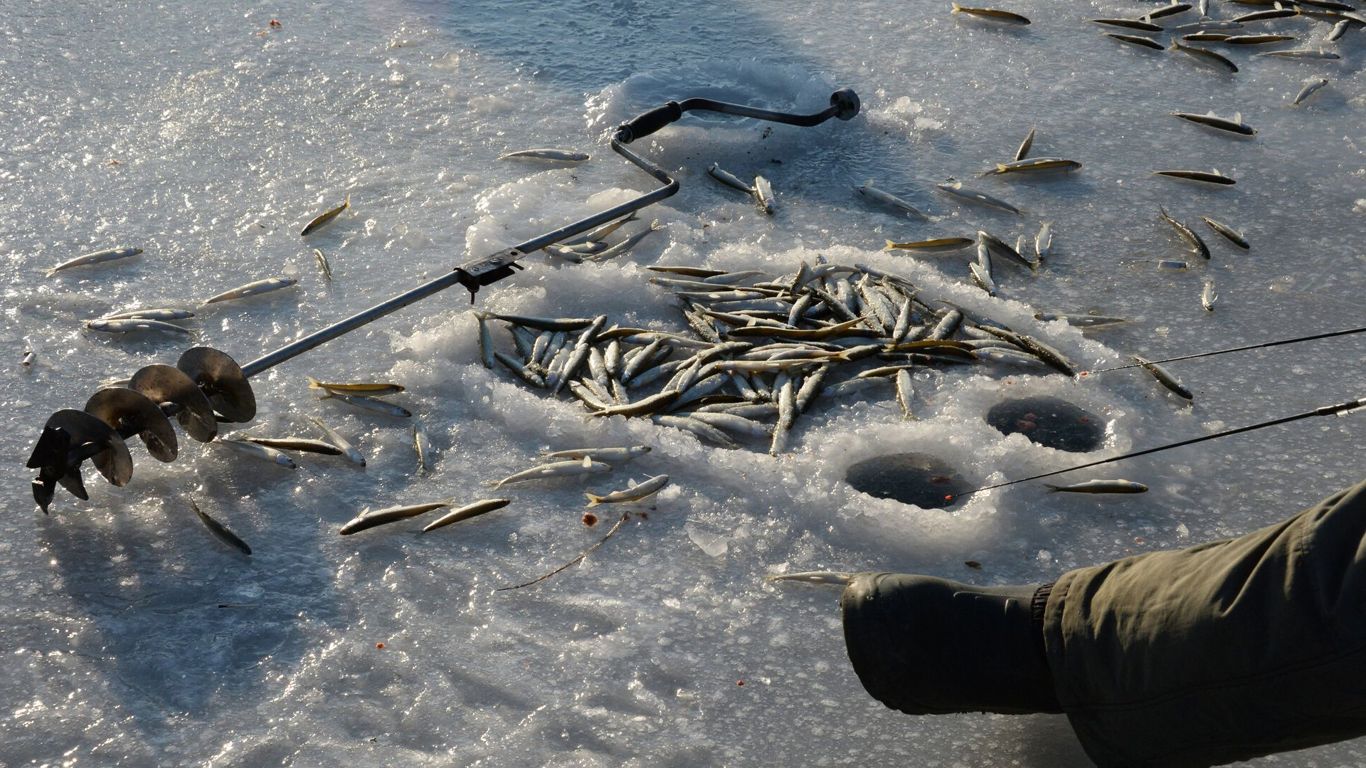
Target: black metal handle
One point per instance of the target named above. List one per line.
(844, 104)
(647, 123)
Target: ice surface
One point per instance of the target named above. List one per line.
(204, 136)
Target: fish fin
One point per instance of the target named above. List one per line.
(587, 462)
(1053, 488)
(347, 202)
(956, 8)
(890, 246)
(1237, 117)
(593, 501)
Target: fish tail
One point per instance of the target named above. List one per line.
(957, 8)
(593, 501)
(347, 202)
(890, 246)
(1053, 488)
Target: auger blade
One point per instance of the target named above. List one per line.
(132, 413)
(92, 437)
(221, 380)
(165, 384)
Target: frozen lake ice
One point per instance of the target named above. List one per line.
(207, 137)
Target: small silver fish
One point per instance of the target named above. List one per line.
(219, 530)
(422, 445)
(29, 357)
(1037, 164)
(1205, 55)
(370, 519)
(1302, 53)
(1256, 39)
(133, 325)
(296, 444)
(369, 388)
(1142, 26)
(997, 245)
(1100, 486)
(763, 193)
(466, 512)
(787, 414)
(1233, 124)
(556, 469)
(162, 314)
(1209, 177)
(982, 277)
(1339, 29)
(336, 439)
(956, 189)
(253, 289)
(485, 339)
(905, 393)
(1166, 379)
(1043, 242)
(1023, 149)
(612, 456)
(98, 257)
(368, 404)
(601, 233)
(323, 264)
(546, 323)
(1143, 42)
(1207, 24)
(1233, 235)
(628, 243)
(1206, 37)
(699, 428)
(1186, 233)
(991, 14)
(1276, 13)
(1170, 10)
(1208, 296)
(631, 493)
(936, 245)
(323, 219)
(556, 155)
(732, 423)
(1311, 87)
(260, 452)
(729, 179)
(886, 198)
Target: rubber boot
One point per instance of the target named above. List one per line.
(931, 646)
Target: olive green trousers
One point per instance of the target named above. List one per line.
(1221, 652)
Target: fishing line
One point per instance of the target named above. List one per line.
(1263, 345)
(1340, 409)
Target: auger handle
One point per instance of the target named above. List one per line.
(844, 104)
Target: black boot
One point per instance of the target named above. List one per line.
(932, 646)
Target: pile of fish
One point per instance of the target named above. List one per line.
(758, 351)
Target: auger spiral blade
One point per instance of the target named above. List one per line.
(69, 438)
(220, 379)
(131, 413)
(164, 384)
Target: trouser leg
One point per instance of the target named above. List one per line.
(1220, 652)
